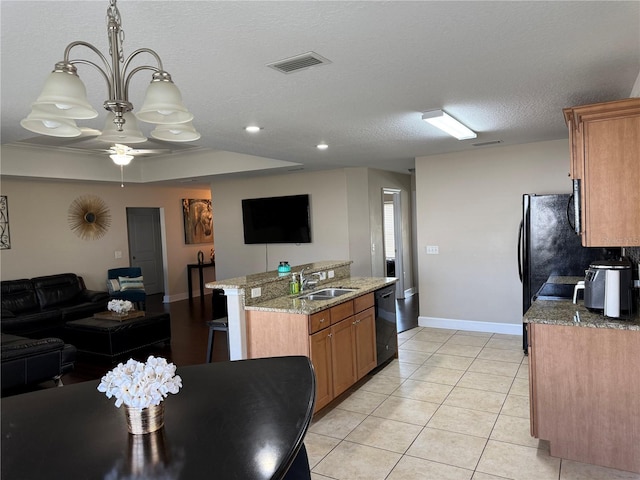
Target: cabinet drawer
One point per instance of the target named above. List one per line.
(319, 320)
(363, 302)
(341, 311)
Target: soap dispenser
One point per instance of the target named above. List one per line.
(294, 286)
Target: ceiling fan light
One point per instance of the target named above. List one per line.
(181, 132)
(130, 131)
(163, 105)
(43, 123)
(120, 159)
(65, 95)
(448, 124)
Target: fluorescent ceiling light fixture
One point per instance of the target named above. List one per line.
(322, 146)
(448, 124)
(253, 128)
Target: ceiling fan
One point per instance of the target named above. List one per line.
(123, 154)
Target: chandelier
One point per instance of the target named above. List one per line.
(64, 97)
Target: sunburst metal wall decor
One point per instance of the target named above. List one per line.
(89, 217)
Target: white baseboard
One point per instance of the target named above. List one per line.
(184, 296)
(410, 291)
(471, 325)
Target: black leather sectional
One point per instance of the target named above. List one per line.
(33, 315)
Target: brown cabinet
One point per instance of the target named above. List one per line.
(351, 342)
(605, 157)
(340, 341)
(320, 353)
(584, 393)
(365, 342)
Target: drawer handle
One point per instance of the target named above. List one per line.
(321, 320)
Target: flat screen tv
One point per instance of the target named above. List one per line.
(277, 219)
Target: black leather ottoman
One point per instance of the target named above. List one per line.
(28, 361)
(112, 339)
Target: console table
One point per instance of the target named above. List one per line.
(245, 419)
(200, 267)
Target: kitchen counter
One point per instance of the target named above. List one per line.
(260, 279)
(293, 304)
(269, 292)
(565, 312)
(562, 312)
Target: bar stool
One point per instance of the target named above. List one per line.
(216, 325)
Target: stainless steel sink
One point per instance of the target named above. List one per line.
(326, 293)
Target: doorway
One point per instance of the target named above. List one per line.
(393, 241)
(145, 246)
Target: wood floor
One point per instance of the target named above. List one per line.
(189, 335)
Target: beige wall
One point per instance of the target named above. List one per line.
(346, 214)
(329, 226)
(469, 205)
(42, 242)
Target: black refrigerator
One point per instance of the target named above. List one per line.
(548, 245)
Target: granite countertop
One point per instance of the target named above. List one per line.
(563, 312)
(258, 279)
(293, 304)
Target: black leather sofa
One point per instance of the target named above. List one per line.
(28, 361)
(32, 319)
(40, 307)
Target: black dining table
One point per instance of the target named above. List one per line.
(244, 420)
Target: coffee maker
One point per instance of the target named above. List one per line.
(608, 287)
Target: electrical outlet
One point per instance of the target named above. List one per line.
(256, 292)
(118, 254)
(331, 274)
(322, 275)
(432, 250)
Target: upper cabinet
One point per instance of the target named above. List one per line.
(605, 157)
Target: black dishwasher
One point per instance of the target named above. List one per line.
(386, 329)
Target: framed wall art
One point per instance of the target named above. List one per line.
(5, 238)
(198, 220)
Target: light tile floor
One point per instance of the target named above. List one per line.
(453, 406)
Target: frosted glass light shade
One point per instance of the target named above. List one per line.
(181, 132)
(64, 95)
(163, 105)
(45, 124)
(448, 124)
(121, 159)
(130, 131)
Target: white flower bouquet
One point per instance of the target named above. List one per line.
(141, 385)
(121, 307)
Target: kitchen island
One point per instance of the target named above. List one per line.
(269, 291)
(338, 334)
(584, 383)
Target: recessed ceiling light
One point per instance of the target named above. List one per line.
(322, 146)
(253, 128)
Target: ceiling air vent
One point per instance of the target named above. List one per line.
(484, 144)
(299, 62)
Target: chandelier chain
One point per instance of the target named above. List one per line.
(114, 14)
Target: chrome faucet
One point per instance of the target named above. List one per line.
(306, 281)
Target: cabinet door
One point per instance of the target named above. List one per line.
(612, 177)
(365, 328)
(343, 355)
(320, 352)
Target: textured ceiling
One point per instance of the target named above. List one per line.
(506, 69)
